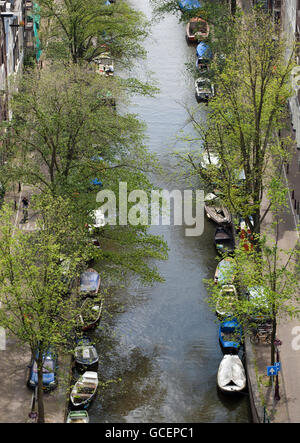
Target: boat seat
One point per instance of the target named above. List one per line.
(81, 396)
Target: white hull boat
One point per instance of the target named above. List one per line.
(84, 390)
(231, 376)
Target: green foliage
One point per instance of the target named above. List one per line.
(82, 31)
(63, 136)
(247, 111)
(32, 280)
(273, 275)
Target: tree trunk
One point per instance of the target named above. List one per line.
(273, 337)
(40, 393)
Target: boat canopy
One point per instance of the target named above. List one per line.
(231, 371)
(227, 269)
(189, 4)
(85, 353)
(89, 281)
(203, 50)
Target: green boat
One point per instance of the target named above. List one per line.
(78, 417)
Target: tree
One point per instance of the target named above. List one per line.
(62, 121)
(34, 306)
(274, 290)
(82, 31)
(63, 136)
(244, 117)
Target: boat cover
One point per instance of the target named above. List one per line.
(230, 371)
(86, 353)
(189, 4)
(89, 281)
(203, 50)
(226, 269)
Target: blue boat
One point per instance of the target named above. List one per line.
(230, 333)
(188, 5)
(203, 51)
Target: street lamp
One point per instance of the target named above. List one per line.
(277, 343)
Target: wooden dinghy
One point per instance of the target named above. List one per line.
(224, 240)
(84, 390)
(197, 29)
(78, 417)
(90, 314)
(215, 210)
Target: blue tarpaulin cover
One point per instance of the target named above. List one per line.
(203, 50)
(189, 4)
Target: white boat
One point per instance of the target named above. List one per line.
(227, 299)
(85, 389)
(231, 374)
(204, 89)
(105, 64)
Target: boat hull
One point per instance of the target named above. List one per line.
(231, 378)
(202, 34)
(88, 382)
(220, 216)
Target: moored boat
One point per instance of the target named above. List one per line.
(224, 240)
(90, 314)
(231, 376)
(85, 354)
(230, 334)
(197, 29)
(202, 65)
(215, 210)
(105, 64)
(188, 5)
(227, 300)
(203, 52)
(204, 89)
(78, 417)
(225, 271)
(84, 390)
(89, 282)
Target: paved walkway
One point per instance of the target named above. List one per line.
(288, 409)
(15, 397)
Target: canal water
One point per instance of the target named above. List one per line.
(159, 345)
